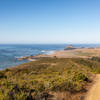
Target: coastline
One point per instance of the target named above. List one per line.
(75, 53)
(65, 72)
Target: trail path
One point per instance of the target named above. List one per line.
(94, 92)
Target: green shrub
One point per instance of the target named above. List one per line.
(78, 76)
(2, 75)
(45, 75)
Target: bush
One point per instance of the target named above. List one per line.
(78, 76)
(2, 75)
(32, 79)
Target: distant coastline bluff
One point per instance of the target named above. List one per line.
(69, 52)
(70, 47)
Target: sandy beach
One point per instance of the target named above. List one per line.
(76, 53)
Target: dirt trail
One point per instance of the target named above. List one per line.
(94, 92)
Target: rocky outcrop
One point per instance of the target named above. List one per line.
(70, 47)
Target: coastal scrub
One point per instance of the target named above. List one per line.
(35, 80)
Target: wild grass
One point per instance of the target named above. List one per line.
(36, 79)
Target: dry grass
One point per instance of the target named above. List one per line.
(62, 77)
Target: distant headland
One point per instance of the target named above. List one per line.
(69, 51)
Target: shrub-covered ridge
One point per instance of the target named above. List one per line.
(34, 80)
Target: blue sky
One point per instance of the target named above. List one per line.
(50, 21)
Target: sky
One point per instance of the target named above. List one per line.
(49, 21)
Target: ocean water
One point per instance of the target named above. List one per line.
(8, 52)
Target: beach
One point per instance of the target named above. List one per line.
(10, 52)
(76, 53)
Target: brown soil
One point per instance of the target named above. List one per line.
(94, 92)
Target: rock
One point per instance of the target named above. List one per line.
(70, 47)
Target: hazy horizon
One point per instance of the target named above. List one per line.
(49, 21)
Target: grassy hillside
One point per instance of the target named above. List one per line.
(36, 80)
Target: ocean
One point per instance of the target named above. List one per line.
(9, 52)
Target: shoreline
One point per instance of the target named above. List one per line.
(36, 57)
(75, 53)
(53, 72)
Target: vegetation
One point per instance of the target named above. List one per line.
(35, 80)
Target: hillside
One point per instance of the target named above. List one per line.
(49, 79)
